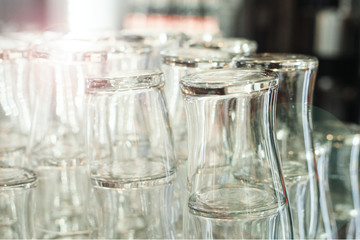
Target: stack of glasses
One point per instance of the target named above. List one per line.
(158, 135)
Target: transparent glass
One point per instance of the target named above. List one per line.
(125, 52)
(176, 63)
(56, 150)
(338, 151)
(158, 40)
(238, 46)
(234, 181)
(57, 144)
(16, 202)
(297, 75)
(131, 156)
(15, 107)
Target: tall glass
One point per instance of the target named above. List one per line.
(297, 75)
(15, 107)
(56, 150)
(130, 153)
(234, 181)
(176, 63)
(17, 202)
(57, 145)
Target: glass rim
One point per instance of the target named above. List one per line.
(16, 178)
(125, 81)
(11, 49)
(195, 57)
(233, 45)
(72, 50)
(116, 40)
(82, 50)
(277, 61)
(228, 81)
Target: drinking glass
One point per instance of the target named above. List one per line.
(57, 145)
(15, 108)
(338, 147)
(32, 38)
(238, 46)
(158, 40)
(125, 52)
(297, 75)
(130, 153)
(176, 63)
(234, 181)
(56, 149)
(16, 202)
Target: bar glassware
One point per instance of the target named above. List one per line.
(130, 153)
(56, 149)
(15, 108)
(338, 154)
(297, 75)
(234, 181)
(17, 202)
(176, 63)
(158, 40)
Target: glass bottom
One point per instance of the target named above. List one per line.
(235, 201)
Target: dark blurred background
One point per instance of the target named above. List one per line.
(328, 29)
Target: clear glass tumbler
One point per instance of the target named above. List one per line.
(176, 63)
(56, 150)
(338, 151)
(131, 156)
(57, 145)
(15, 107)
(125, 52)
(158, 40)
(235, 185)
(17, 202)
(297, 75)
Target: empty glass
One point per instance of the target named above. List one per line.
(158, 40)
(297, 75)
(56, 149)
(176, 63)
(125, 52)
(15, 107)
(17, 202)
(130, 153)
(234, 181)
(338, 151)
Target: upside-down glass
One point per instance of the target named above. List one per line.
(56, 150)
(16, 202)
(176, 63)
(15, 108)
(338, 151)
(297, 75)
(234, 178)
(238, 46)
(31, 38)
(158, 40)
(125, 52)
(130, 153)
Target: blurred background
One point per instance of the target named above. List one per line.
(328, 29)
